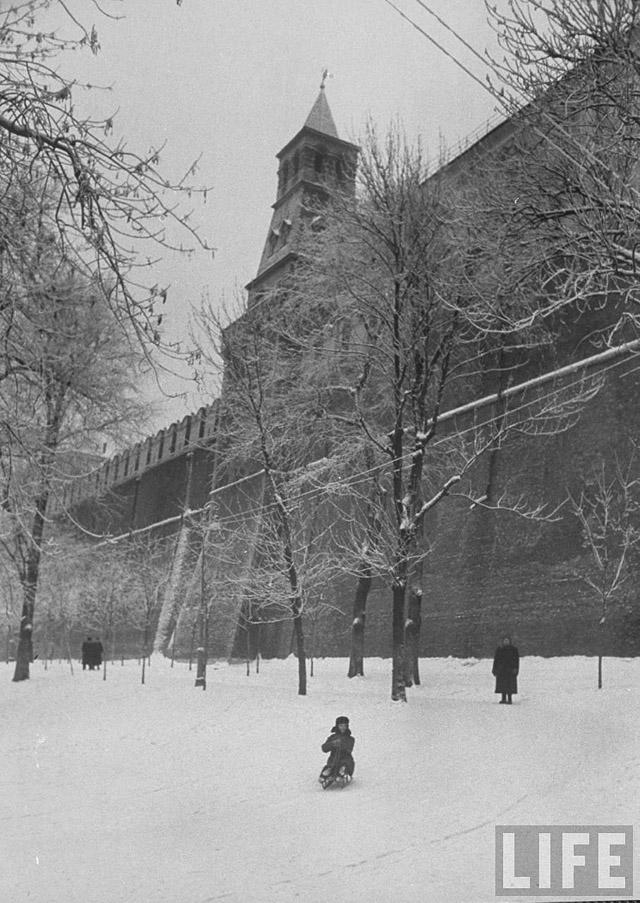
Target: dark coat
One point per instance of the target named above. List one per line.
(339, 746)
(506, 664)
(92, 652)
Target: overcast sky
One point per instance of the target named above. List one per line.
(233, 80)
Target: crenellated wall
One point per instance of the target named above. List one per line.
(194, 432)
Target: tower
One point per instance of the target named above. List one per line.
(314, 162)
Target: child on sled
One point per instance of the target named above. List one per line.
(339, 744)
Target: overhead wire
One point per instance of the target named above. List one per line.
(350, 480)
(363, 475)
(504, 103)
(360, 476)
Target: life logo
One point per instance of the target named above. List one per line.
(564, 860)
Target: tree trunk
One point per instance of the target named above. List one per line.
(202, 650)
(248, 651)
(599, 672)
(173, 645)
(374, 521)
(412, 638)
(192, 643)
(24, 652)
(296, 605)
(68, 644)
(104, 652)
(398, 692)
(302, 659)
(145, 649)
(356, 660)
(203, 623)
(312, 643)
(201, 666)
(414, 620)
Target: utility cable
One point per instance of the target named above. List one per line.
(361, 476)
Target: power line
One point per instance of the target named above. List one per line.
(613, 357)
(503, 102)
(442, 49)
(455, 33)
(478, 403)
(617, 354)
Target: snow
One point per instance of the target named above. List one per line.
(115, 792)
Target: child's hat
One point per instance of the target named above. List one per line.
(342, 719)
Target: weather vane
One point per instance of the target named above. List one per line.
(325, 75)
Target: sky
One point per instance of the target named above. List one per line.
(231, 81)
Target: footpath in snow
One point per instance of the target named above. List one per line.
(114, 792)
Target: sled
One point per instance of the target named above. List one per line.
(329, 779)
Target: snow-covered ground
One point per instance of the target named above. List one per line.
(114, 792)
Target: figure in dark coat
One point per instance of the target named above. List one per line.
(86, 654)
(98, 652)
(339, 744)
(92, 651)
(506, 664)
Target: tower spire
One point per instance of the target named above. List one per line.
(311, 165)
(320, 117)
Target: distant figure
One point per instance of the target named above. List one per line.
(506, 664)
(86, 654)
(92, 651)
(339, 744)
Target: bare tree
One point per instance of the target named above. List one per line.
(148, 565)
(568, 193)
(61, 594)
(107, 197)
(262, 586)
(608, 511)
(402, 332)
(372, 526)
(391, 317)
(68, 380)
(108, 589)
(267, 424)
(204, 603)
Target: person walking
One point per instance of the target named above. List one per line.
(506, 664)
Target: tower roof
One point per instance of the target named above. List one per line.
(320, 117)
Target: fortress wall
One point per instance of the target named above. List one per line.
(488, 572)
(493, 572)
(115, 477)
